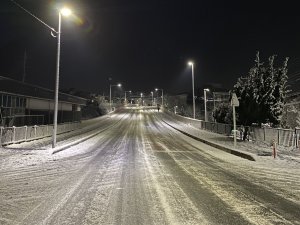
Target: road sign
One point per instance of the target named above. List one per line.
(234, 100)
(234, 103)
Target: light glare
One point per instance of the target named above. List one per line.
(65, 11)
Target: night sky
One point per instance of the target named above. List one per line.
(145, 44)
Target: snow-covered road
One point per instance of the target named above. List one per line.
(137, 170)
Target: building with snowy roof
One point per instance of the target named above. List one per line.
(26, 104)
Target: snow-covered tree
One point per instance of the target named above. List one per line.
(279, 93)
(247, 89)
(223, 113)
(262, 92)
(290, 117)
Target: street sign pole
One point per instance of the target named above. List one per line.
(234, 125)
(234, 102)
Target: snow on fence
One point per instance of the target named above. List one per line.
(283, 137)
(219, 128)
(10, 135)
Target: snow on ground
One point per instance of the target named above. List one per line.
(40, 151)
(259, 150)
(280, 175)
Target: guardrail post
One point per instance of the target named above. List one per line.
(1, 133)
(274, 149)
(35, 126)
(278, 136)
(26, 128)
(14, 134)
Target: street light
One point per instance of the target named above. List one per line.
(152, 98)
(112, 85)
(194, 110)
(62, 12)
(65, 12)
(142, 99)
(205, 111)
(125, 96)
(162, 96)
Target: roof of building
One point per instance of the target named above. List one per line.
(14, 87)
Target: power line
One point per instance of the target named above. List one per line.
(17, 4)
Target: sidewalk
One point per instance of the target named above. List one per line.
(247, 149)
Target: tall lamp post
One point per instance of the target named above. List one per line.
(194, 110)
(205, 100)
(125, 96)
(152, 98)
(162, 96)
(142, 99)
(112, 85)
(64, 12)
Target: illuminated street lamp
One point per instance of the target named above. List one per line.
(205, 100)
(62, 12)
(192, 65)
(125, 96)
(152, 98)
(162, 96)
(142, 99)
(65, 12)
(112, 85)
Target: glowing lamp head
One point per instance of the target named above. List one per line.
(206, 89)
(190, 63)
(156, 89)
(119, 85)
(66, 11)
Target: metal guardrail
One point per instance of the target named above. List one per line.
(11, 135)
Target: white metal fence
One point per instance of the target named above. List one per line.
(283, 137)
(11, 135)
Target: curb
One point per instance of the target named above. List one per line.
(223, 148)
(59, 149)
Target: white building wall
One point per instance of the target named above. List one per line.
(40, 104)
